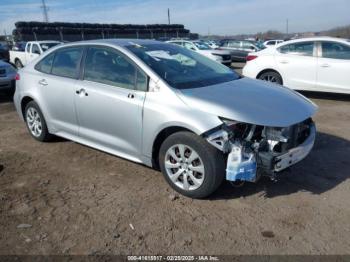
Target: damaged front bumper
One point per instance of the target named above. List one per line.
(252, 156)
(296, 154)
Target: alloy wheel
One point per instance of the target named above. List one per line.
(270, 78)
(34, 121)
(184, 167)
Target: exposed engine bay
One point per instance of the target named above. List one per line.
(253, 151)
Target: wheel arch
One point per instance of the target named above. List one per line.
(160, 138)
(269, 70)
(24, 102)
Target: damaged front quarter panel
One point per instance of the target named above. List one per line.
(253, 150)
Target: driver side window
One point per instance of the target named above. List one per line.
(110, 67)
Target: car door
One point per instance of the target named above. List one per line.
(109, 102)
(333, 68)
(235, 50)
(297, 64)
(35, 52)
(56, 81)
(27, 53)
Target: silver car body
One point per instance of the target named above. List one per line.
(107, 119)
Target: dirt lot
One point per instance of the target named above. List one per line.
(65, 198)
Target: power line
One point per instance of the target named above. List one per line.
(45, 11)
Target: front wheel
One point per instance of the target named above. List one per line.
(271, 76)
(191, 165)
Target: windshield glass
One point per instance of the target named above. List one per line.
(202, 46)
(182, 68)
(47, 46)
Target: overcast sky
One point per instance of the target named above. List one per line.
(223, 17)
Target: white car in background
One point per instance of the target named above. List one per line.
(275, 42)
(220, 56)
(314, 64)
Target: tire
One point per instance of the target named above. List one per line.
(36, 123)
(271, 76)
(18, 64)
(210, 160)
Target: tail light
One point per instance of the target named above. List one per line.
(17, 77)
(251, 57)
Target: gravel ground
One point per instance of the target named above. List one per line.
(65, 198)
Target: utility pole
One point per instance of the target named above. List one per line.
(169, 16)
(45, 11)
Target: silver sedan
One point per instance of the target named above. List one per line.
(166, 107)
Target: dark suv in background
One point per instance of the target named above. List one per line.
(240, 48)
(4, 51)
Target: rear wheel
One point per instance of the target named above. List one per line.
(271, 76)
(36, 123)
(190, 165)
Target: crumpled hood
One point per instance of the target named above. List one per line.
(251, 101)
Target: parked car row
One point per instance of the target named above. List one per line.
(203, 48)
(315, 64)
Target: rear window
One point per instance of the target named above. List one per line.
(66, 62)
(302, 49)
(45, 64)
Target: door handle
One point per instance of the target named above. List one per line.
(284, 62)
(325, 65)
(131, 95)
(82, 92)
(43, 82)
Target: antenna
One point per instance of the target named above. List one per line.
(45, 11)
(287, 26)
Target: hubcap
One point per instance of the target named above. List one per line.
(184, 167)
(34, 121)
(269, 78)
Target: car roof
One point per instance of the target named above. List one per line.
(319, 38)
(43, 42)
(117, 42)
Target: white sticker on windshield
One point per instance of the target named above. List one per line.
(159, 54)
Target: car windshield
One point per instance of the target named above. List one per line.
(182, 68)
(202, 46)
(47, 46)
